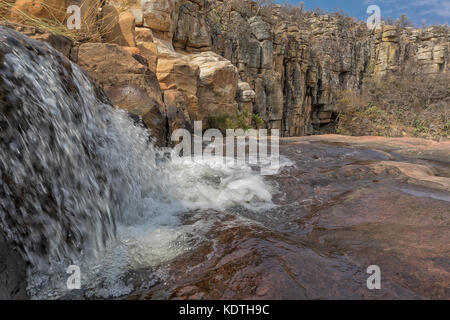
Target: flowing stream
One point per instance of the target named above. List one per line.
(83, 184)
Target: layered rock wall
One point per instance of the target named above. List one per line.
(296, 68)
(196, 59)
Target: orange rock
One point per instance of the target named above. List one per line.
(132, 50)
(218, 85)
(129, 83)
(118, 27)
(150, 52)
(160, 14)
(143, 35)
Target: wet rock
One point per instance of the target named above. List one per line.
(12, 272)
(346, 203)
(32, 213)
(59, 42)
(128, 82)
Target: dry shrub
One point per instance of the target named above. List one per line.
(359, 116)
(294, 13)
(93, 25)
(48, 22)
(408, 103)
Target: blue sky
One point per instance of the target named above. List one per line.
(429, 11)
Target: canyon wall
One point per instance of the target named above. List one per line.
(176, 61)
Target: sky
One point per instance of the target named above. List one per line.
(419, 11)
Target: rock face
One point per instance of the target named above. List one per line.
(12, 272)
(161, 16)
(361, 201)
(294, 65)
(217, 86)
(119, 26)
(192, 32)
(296, 68)
(128, 82)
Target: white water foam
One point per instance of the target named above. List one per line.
(150, 231)
(83, 185)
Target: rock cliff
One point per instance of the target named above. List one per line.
(200, 59)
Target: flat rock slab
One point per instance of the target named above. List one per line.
(346, 204)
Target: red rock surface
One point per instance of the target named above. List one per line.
(347, 204)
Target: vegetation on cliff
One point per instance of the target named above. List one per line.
(403, 105)
(302, 72)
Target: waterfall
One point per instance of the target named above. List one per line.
(80, 181)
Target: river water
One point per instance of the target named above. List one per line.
(83, 185)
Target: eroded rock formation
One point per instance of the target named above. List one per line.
(216, 57)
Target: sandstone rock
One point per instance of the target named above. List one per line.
(295, 68)
(128, 83)
(245, 92)
(178, 116)
(269, 99)
(245, 97)
(252, 55)
(132, 50)
(371, 214)
(143, 35)
(5, 10)
(149, 51)
(260, 29)
(138, 16)
(118, 26)
(296, 80)
(176, 73)
(218, 85)
(191, 33)
(266, 54)
(160, 15)
(60, 43)
(390, 34)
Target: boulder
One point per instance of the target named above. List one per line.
(149, 51)
(143, 35)
(138, 16)
(218, 85)
(160, 15)
(176, 72)
(118, 26)
(128, 81)
(177, 107)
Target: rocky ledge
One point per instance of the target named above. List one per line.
(345, 204)
(176, 61)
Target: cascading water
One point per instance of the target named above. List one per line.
(82, 184)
